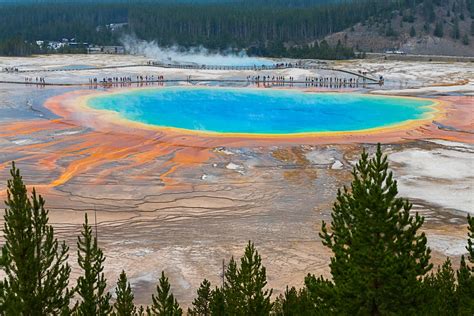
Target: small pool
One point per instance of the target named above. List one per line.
(260, 111)
(76, 67)
(217, 60)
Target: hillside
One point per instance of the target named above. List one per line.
(447, 29)
(272, 28)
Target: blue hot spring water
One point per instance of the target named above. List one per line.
(258, 111)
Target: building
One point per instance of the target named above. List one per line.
(115, 26)
(106, 50)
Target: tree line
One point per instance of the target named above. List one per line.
(380, 264)
(216, 26)
(316, 50)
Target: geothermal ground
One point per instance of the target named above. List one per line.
(182, 203)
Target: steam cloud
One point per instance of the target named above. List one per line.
(195, 55)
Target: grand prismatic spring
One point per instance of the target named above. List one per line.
(257, 112)
(181, 175)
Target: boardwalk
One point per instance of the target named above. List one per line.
(205, 67)
(124, 84)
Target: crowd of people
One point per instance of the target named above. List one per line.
(329, 82)
(266, 80)
(126, 80)
(332, 82)
(37, 80)
(286, 65)
(271, 80)
(10, 69)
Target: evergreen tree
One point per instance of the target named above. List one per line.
(91, 286)
(390, 31)
(253, 282)
(294, 303)
(124, 304)
(322, 295)
(379, 255)
(217, 305)
(465, 39)
(470, 240)
(412, 31)
(232, 292)
(287, 304)
(439, 30)
(17, 47)
(428, 10)
(217, 25)
(34, 263)
(465, 275)
(164, 303)
(244, 288)
(201, 302)
(465, 288)
(441, 291)
(426, 27)
(456, 34)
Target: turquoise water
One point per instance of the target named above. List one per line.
(258, 111)
(74, 67)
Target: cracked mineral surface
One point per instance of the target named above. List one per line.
(182, 203)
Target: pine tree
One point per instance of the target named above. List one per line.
(439, 30)
(34, 263)
(456, 34)
(91, 286)
(412, 31)
(379, 255)
(426, 27)
(441, 291)
(465, 275)
(465, 39)
(322, 295)
(124, 304)
(232, 293)
(253, 281)
(470, 240)
(201, 302)
(244, 290)
(164, 303)
(287, 304)
(294, 303)
(244, 287)
(465, 289)
(217, 305)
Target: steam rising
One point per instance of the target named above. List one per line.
(195, 55)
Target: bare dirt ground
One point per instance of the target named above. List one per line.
(165, 203)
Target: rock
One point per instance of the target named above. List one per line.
(233, 166)
(337, 165)
(324, 156)
(223, 150)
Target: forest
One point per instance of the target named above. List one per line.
(380, 264)
(263, 26)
